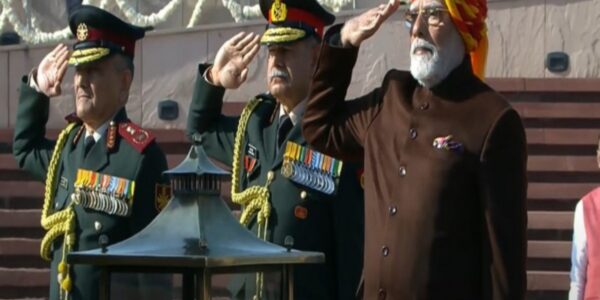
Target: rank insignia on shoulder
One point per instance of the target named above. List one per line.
(105, 193)
(162, 195)
(311, 168)
(448, 143)
(136, 136)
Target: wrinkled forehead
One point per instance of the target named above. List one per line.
(416, 4)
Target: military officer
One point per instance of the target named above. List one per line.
(287, 190)
(103, 171)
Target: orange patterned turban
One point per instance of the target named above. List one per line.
(469, 18)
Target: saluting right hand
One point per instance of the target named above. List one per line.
(231, 64)
(363, 26)
(51, 71)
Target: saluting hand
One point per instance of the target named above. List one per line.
(363, 26)
(52, 69)
(231, 64)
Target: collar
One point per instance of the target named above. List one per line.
(296, 114)
(119, 116)
(99, 132)
(461, 76)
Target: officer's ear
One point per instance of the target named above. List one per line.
(126, 80)
(124, 66)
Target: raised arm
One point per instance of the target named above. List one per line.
(205, 121)
(331, 124)
(30, 147)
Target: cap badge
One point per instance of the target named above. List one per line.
(278, 11)
(82, 32)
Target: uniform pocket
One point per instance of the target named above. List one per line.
(61, 198)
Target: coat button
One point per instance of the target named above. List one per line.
(56, 205)
(270, 176)
(97, 226)
(412, 133)
(402, 171)
(385, 251)
(303, 195)
(103, 242)
(424, 106)
(393, 210)
(381, 294)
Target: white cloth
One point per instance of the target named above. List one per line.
(578, 255)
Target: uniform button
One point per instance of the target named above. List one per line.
(270, 176)
(424, 106)
(385, 251)
(103, 242)
(98, 226)
(402, 171)
(393, 210)
(303, 195)
(381, 293)
(56, 205)
(412, 133)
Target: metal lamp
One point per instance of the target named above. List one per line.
(197, 236)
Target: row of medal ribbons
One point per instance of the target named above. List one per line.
(311, 168)
(105, 193)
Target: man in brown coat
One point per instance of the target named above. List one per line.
(445, 157)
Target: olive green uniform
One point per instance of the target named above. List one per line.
(333, 224)
(134, 157)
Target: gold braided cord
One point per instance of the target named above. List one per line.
(58, 223)
(87, 55)
(254, 200)
(282, 35)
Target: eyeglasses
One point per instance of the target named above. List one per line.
(433, 15)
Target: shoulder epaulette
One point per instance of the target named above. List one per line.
(72, 118)
(271, 103)
(135, 135)
(266, 96)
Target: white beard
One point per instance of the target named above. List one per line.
(431, 69)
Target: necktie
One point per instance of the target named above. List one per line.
(285, 125)
(89, 143)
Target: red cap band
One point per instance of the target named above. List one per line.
(294, 15)
(128, 45)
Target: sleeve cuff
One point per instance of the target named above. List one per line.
(31, 81)
(333, 37)
(206, 76)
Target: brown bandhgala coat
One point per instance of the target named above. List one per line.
(440, 223)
